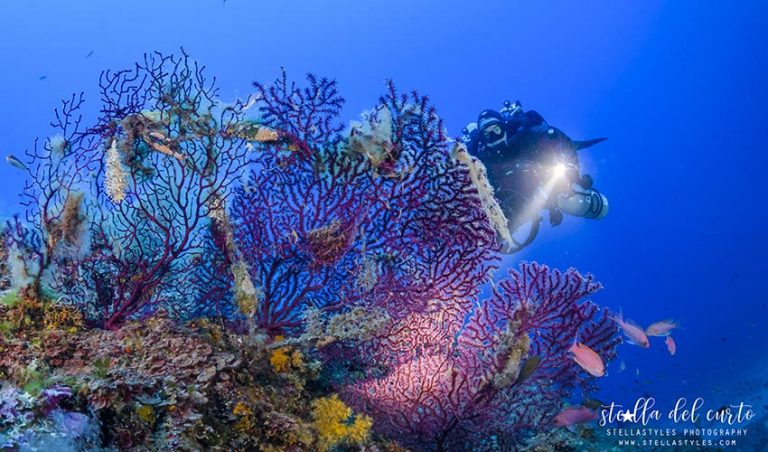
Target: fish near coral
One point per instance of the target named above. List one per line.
(592, 404)
(528, 369)
(574, 415)
(671, 345)
(633, 332)
(588, 359)
(15, 162)
(661, 328)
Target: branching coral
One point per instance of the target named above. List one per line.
(162, 161)
(51, 194)
(304, 118)
(446, 382)
(310, 228)
(437, 367)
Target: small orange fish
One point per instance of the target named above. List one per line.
(661, 328)
(635, 334)
(587, 358)
(671, 346)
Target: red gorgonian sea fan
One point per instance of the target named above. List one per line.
(306, 118)
(387, 220)
(323, 230)
(446, 382)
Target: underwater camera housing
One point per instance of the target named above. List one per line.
(532, 167)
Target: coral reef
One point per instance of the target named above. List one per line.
(192, 277)
(449, 382)
(160, 385)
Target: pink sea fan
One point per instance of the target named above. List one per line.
(443, 388)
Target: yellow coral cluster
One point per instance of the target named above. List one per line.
(245, 422)
(283, 359)
(27, 309)
(334, 423)
(146, 413)
(66, 318)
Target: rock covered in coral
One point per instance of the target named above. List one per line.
(158, 385)
(43, 422)
(332, 281)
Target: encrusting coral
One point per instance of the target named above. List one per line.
(226, 282)
(162, 385)
(489, 203)
(115, 182)
(285, 358)
(334, 423)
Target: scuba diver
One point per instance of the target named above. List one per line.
(532, 167)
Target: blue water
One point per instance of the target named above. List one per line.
(678, 87)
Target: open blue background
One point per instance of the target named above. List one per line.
(679, 87)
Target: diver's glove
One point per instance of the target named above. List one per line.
(585, 181)
(555, 216)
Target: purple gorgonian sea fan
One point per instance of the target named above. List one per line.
(376, 246)
(126, 206)
(498, 369)
(324, 219)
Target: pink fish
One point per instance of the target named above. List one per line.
(671, 346)
(661, 328)
(634, 333)
(588, 359)
(574, 415)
